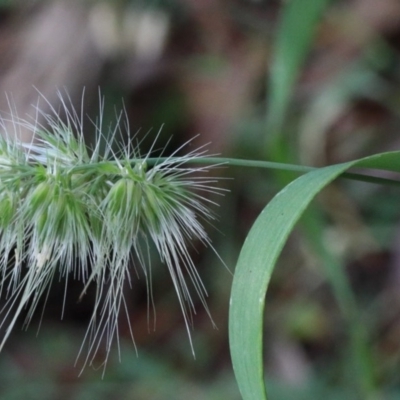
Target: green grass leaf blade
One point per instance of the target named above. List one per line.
(257, 261)
(297, 27)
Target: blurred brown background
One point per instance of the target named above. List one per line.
(202, 67)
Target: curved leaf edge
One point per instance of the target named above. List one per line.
(257, 261)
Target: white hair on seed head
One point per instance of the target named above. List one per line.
(93, 214)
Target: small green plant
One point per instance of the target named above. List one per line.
(91, 214)
(68, 211)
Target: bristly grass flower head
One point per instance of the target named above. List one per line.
(67, 211)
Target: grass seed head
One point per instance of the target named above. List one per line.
(66, 210)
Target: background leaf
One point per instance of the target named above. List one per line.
(294, 38)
